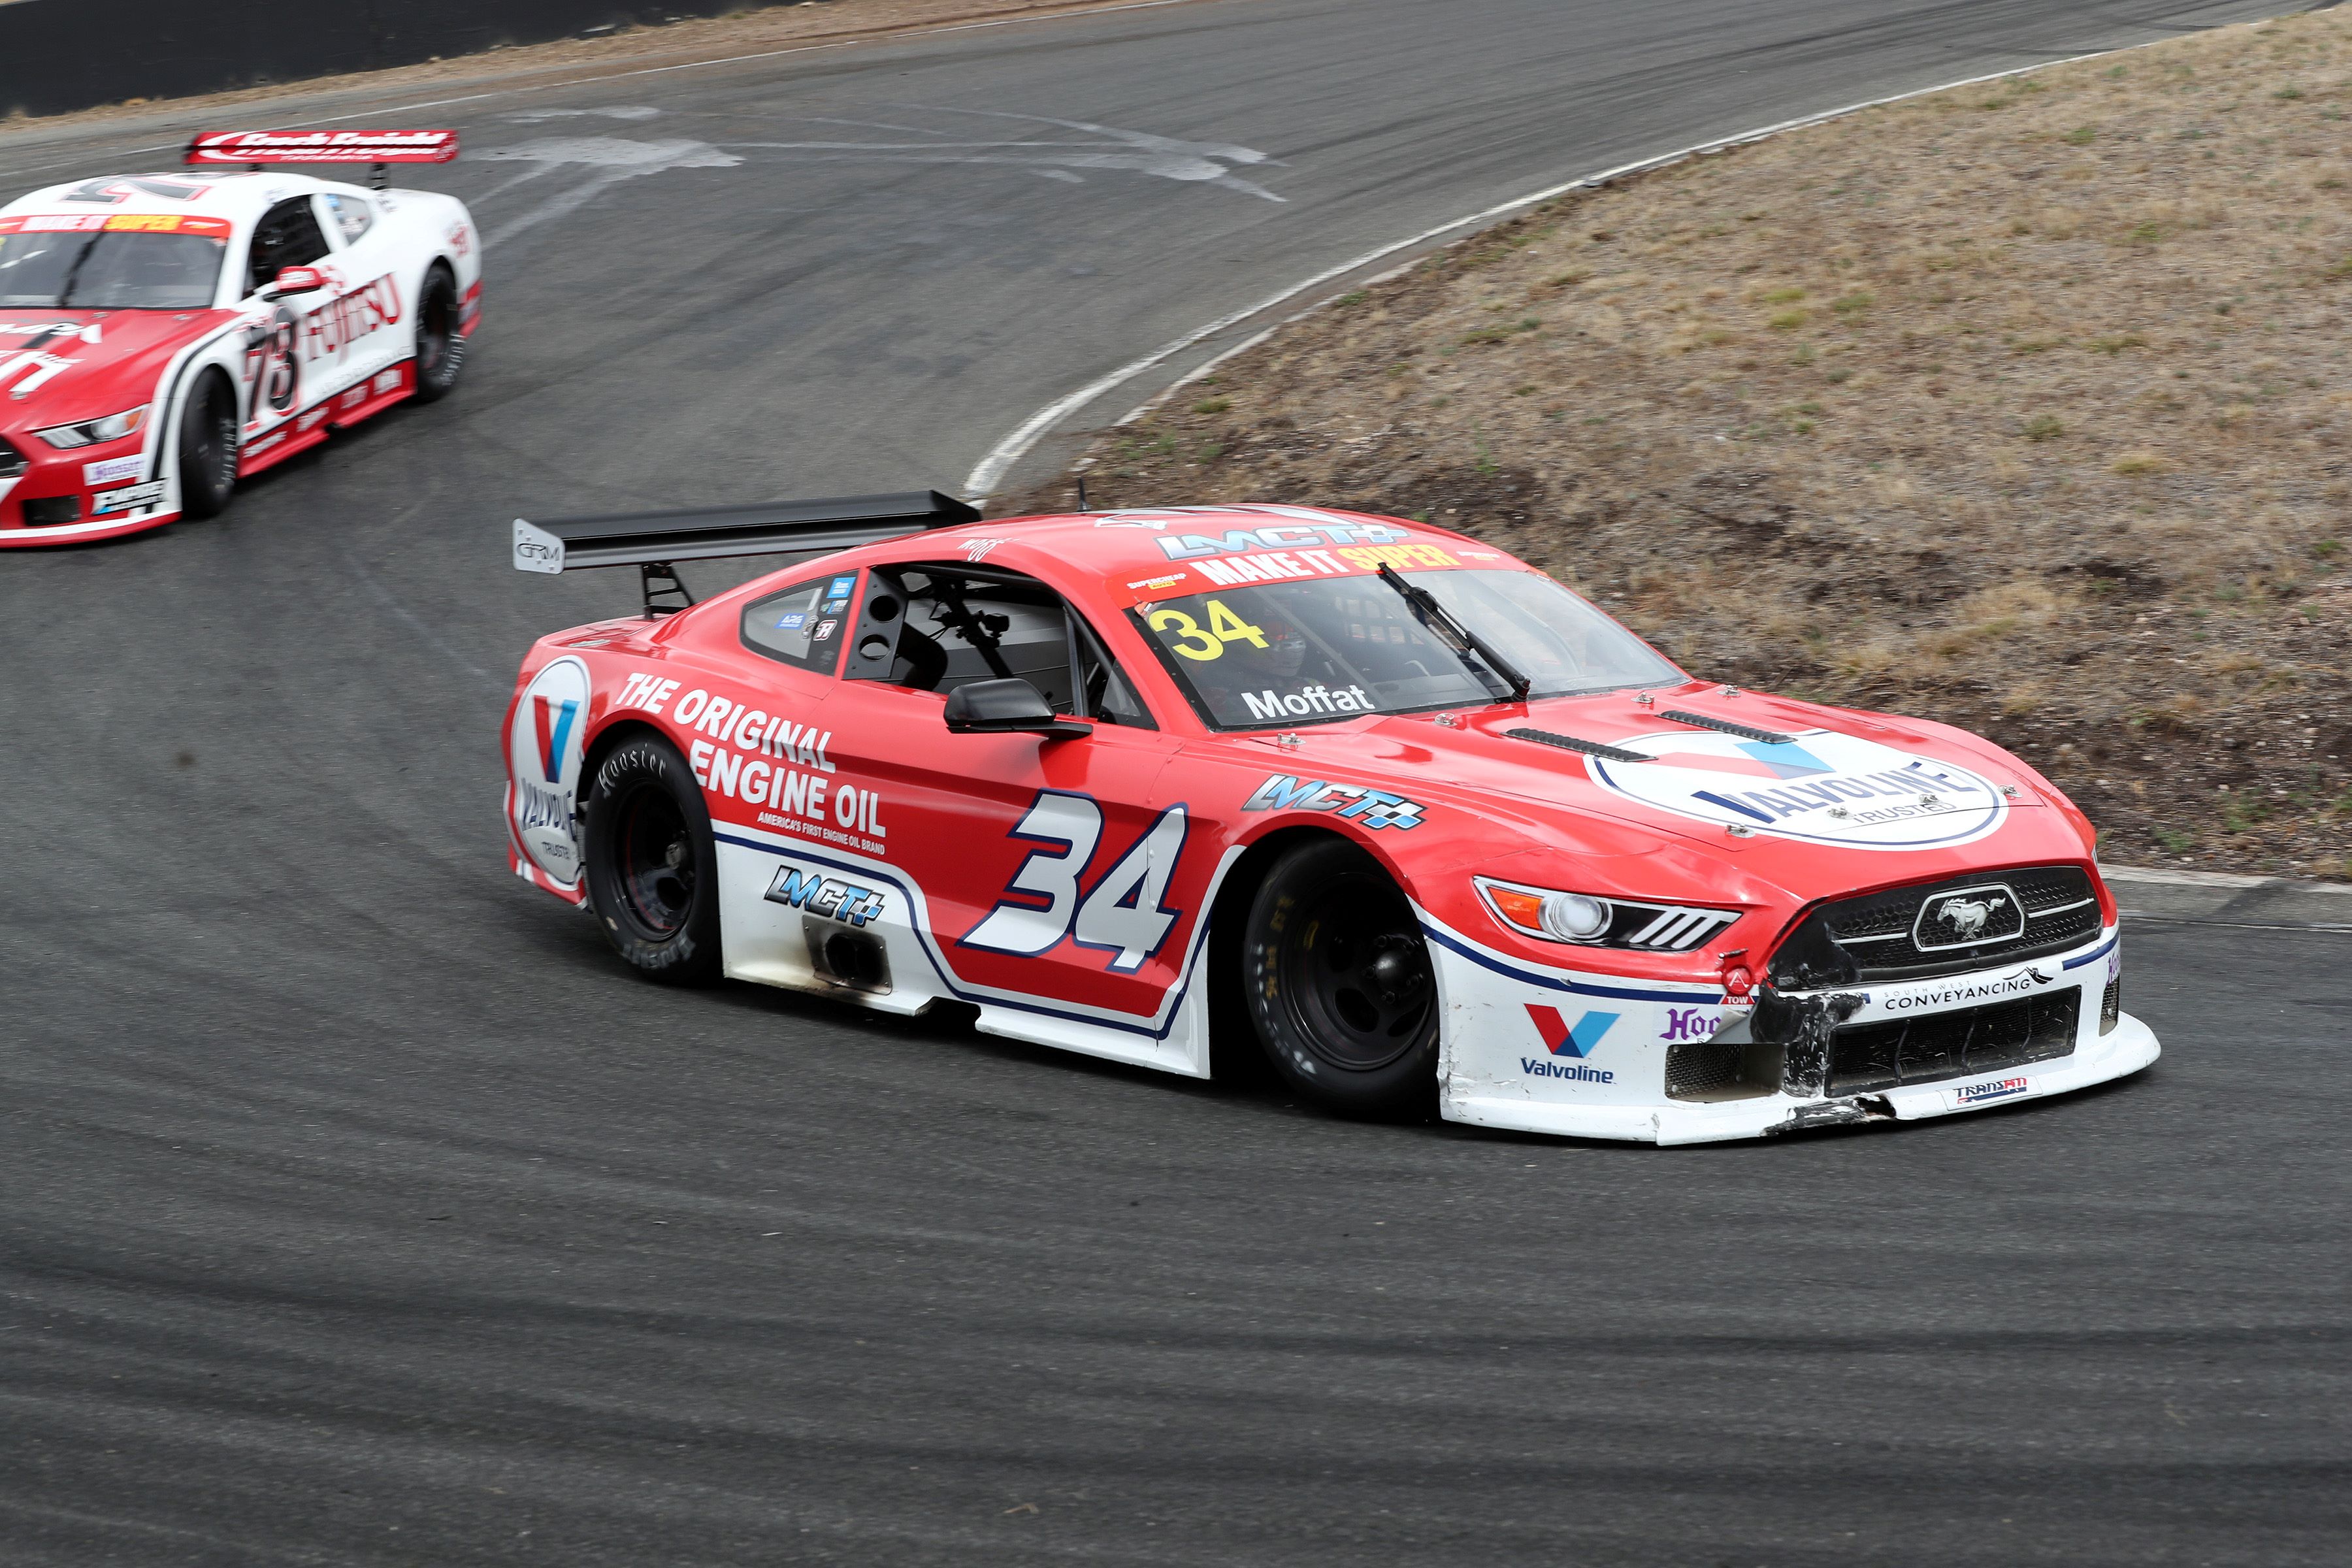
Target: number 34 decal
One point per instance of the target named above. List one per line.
(1121, 913)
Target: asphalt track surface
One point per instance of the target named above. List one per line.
(355, 1207)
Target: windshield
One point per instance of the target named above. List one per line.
(109, 271)
(1262, 655)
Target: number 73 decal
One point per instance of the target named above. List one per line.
(1121, 913)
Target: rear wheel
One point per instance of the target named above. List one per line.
(653, 872)
(1339, 982)
(207, 447)
(440, 346)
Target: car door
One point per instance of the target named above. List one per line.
(365, 329)
(1046, 866)
(279, 363)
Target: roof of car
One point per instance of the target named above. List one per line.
(1143, 552)
(238, 195)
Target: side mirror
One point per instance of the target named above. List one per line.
(295, 280)
(1010, 706)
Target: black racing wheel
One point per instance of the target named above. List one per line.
(207, 446)
(653, 871)
(440, 346)
(1339, 982)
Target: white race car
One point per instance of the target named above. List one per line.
(162, 336)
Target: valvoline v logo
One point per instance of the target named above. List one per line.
(554, 723)
(1565, 1039)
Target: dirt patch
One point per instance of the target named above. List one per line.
(2025, 406)
(784, 24)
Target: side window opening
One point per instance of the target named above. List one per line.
(352, 215)
(960, 628)
(803, 625)
(287, 235)
(1108, 696)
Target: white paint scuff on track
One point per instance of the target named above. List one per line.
(1141, 151)
(1001, 457)
(614, 159)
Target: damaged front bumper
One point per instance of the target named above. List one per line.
(1655, 1065)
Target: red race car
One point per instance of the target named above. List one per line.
(162, 336)
(1435, 829)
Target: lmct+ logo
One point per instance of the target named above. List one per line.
(1565, 1039)
(554, 721)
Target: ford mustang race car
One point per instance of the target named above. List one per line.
(162, 336)
(1431, 827)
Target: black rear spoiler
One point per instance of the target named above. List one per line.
(654, 542)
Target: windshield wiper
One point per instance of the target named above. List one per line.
(73, 273)
(1438, 618)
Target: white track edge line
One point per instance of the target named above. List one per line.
(1016, 445)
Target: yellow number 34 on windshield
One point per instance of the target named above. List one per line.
(1224, 626)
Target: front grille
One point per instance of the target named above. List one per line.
(1868, 1059)
(1879, 932)
(51, 510)
(1699, 1070)
(12, 462)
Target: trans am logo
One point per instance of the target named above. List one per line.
(1820, 787)
(543, 763)
(2000, 1089)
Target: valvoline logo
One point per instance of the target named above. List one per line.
(1563, 1038)
(543, 768)
(554, 724)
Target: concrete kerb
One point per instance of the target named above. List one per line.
(2230, 898)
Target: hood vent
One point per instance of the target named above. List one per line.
(1745, 732)
(1570, 744)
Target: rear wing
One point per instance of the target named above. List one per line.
(259, 149)
(655, 541)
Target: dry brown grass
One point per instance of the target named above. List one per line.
(2024, 405)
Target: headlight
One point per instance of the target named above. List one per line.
(95, 431)
(1548, 914)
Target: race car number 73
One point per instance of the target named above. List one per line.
(1121, 913)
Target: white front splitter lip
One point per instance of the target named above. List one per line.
(2125, 1049)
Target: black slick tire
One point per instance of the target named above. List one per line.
(206, 446)
(440, 346)
(1338, 981)
(653, 870)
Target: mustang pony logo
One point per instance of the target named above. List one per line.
(1967, 916)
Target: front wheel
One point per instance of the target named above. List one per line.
(207, 447)
(440, 346)
(653, 870)
(1339, 982)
